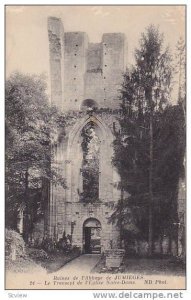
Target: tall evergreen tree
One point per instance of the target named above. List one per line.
(180, 70)
(145, 97)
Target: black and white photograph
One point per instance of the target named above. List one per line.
(95, 147)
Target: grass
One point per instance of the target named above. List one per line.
(146, 266)
(36, 260)
(56, 260)
(23, 265)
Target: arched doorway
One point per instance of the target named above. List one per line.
(92, 236)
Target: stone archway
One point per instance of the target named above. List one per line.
(74, 157)
(92, 236)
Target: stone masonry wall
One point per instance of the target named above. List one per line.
(81, 70)
(94, 57)
(75, 47)
(56, 41)
(113, 66)
(66, 207)
(78, 213)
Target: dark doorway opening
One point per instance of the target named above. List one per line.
(92, 236)
(87, 246)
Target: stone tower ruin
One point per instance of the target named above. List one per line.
(85, 79)
(82, 70)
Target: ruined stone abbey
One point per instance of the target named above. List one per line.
(85, 79)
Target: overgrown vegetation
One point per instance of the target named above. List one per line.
(32, 130)
(90, 165)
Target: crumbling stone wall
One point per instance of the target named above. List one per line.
(75, 48)
(55, 35)
(67, 211)
(81, 70)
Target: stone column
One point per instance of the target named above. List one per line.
(56, 41)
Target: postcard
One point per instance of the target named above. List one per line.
(95, 116)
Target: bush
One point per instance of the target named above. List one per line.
(37, 253)
(14, 245)
(48, 245)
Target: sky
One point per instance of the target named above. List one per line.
(27, 39)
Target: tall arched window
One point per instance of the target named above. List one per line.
(90, 163)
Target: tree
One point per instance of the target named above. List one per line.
(155, 76)
(180, 70)
(145, 95)
(30, 127)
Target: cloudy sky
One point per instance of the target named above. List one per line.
(27, 38)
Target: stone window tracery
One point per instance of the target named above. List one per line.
(90, 163)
